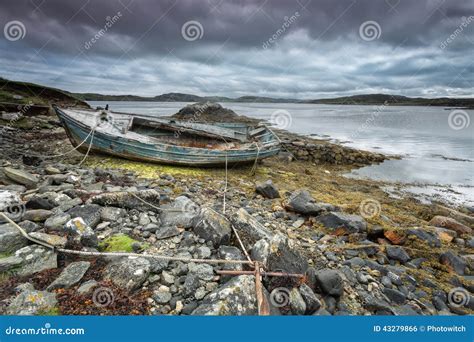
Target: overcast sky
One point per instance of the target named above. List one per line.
(300, 49)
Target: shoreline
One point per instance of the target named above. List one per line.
(388, 255)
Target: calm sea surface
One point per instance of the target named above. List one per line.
(437, 145)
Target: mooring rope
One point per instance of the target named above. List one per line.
(123, 254)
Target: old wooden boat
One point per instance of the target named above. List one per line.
(164, 140)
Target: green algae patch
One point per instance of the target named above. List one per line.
(120, 243)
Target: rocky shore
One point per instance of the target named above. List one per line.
(360, 251)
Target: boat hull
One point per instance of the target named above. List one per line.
(163, 153)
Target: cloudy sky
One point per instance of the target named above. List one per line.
(282, 48)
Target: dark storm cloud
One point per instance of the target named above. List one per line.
(316, 49)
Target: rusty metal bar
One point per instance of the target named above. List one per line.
(262, 303)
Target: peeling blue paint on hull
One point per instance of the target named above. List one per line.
(163, 153)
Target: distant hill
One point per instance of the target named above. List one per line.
(397, 100)
(26, 93)
(369, 99)
(31, 93)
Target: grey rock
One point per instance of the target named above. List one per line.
(191, 284)
(81, 232)
(312, 302)
(203, 271)
(31, 302)
(56, 222)
(166, 232)
(37, 202)
(395, 295)
(428, 237)
(284, 256)
(10, 263)
(128, 273)
(162, 295)
(53, 240)
(33, 259)
(11, 239)
(87, 286)
(129, 199)
(236, 297)
(21, 177)
(90, 213)
(180, 213)
(297, 303)
(212, 226)
(260, 251)
(330, 282)
(352, 223)
(204, 252)
(397, 253)
(37, 215)
(112, 214)
(454, 262)
(267, 189)
(70, 276)
(230, 253)
(302, 202)
(249, 229)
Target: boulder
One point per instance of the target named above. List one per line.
(128, 273)
(29, 260)
(53, 240)
(330, 282)
(81, 232)
(248, 228)
(350, 223)
(32, 302)
(428, 237)
(267, 189)
(236, 297)
(56, 222)
(450, 223)
(165, 232)
(37, 215)
(395, 295)
(180, 213)
(212, 226)
(70, 276)
(87, 286)
(260, 251)
(11, 239)
(230, 253)
(37, 202)
(312, 302)
(397, 253)
(21, 177)
(285, 257)
(112, 214)
(90, 213)
(454, 262)
(297, 303)
(302, 202)
(129, 200)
